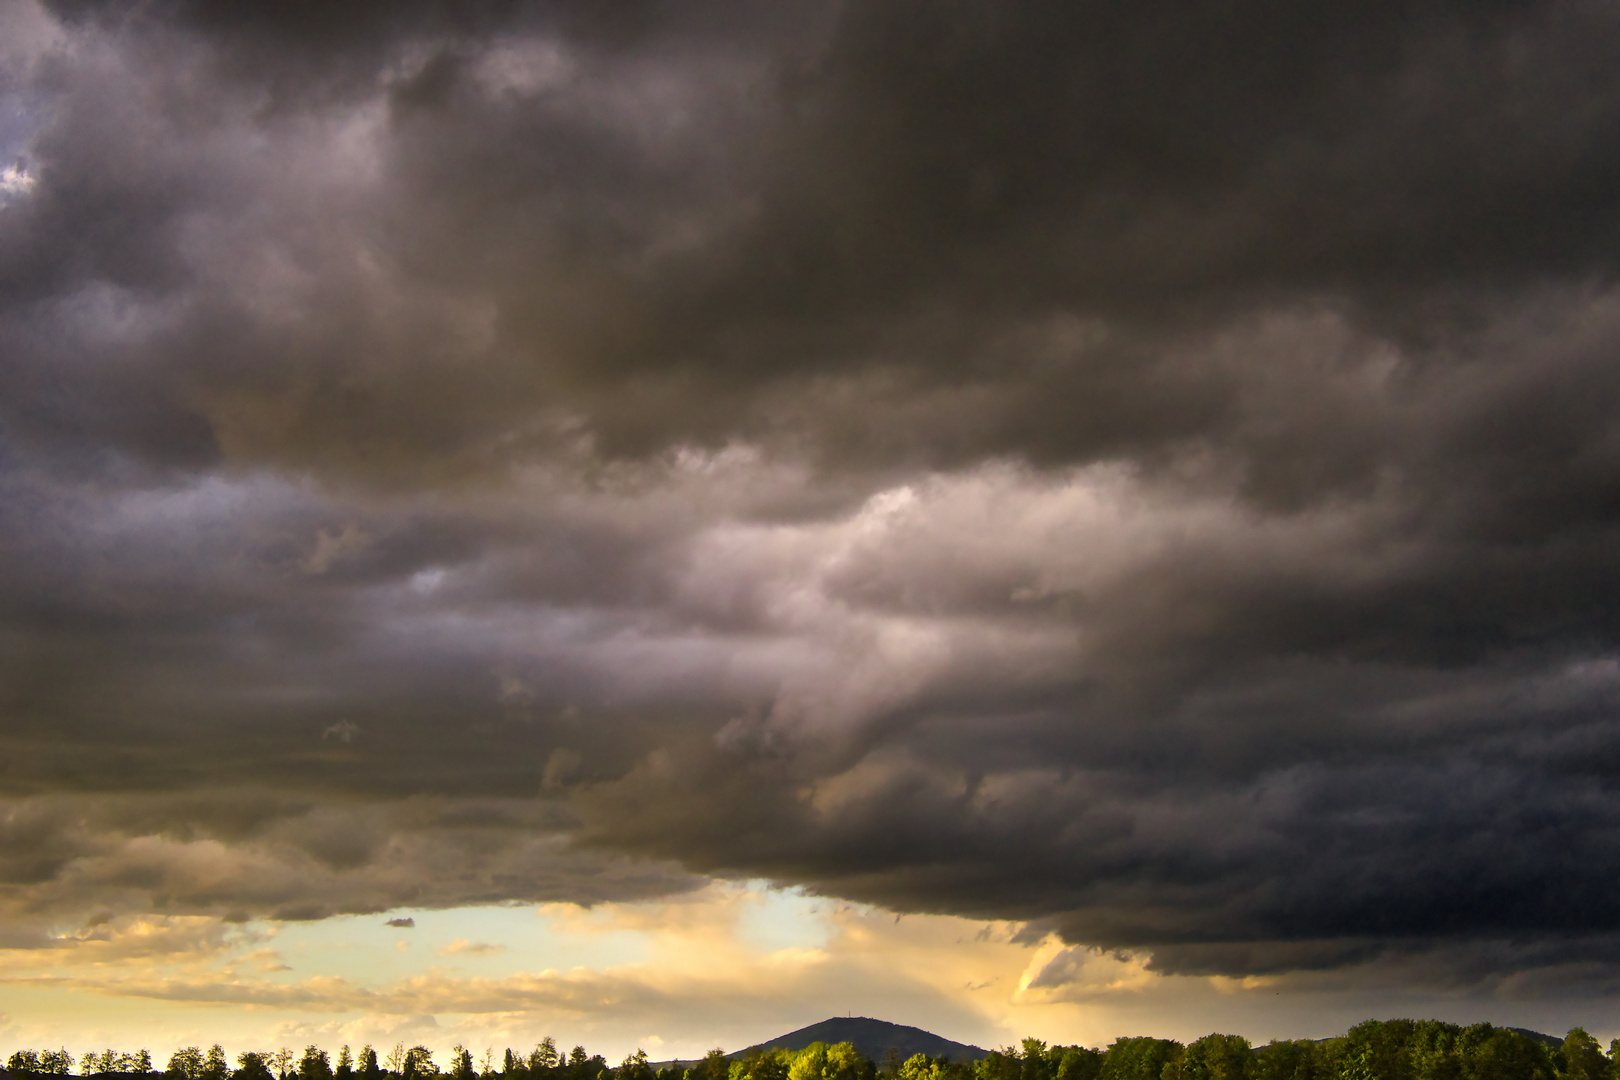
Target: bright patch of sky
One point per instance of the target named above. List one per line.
(15, 180)
(365, 949)
(26, 35)
(729, 965)
(785, 919)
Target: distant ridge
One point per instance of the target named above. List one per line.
(1543, 1039)
(874, 1038)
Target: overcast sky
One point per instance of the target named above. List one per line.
(1132, 488)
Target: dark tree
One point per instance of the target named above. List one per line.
(251, 1066)
(314, 1065)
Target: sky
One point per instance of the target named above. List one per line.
(1066, 519)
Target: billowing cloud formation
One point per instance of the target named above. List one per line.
(1151, 477)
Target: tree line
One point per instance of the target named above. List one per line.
(1374, 1050)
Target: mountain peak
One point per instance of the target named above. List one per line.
(874, 1038)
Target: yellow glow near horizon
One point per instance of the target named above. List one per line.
(729, 965)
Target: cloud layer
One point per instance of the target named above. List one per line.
(1151, 477)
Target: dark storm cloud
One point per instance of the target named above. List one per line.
(1149, 472)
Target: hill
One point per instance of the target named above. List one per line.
(1545, 1040)
(874, 1038)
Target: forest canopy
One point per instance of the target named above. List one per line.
(1374, 1050)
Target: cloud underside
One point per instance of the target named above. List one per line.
(698, 960)
(1152, 480)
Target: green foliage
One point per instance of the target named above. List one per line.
(714, 1066)
(1583, 1058)
(314, 1065)
(1214, 1057)
(760, 1065)
(919, 1067)
(1378, 1050)
(252, 1066)
(186, 1064)
(419, 1062)
(190, 1062)
(112, 1061)
(1299, 1059)
(818, 1061)
(544, 1057)
(635, 1067)
(1138, 1059)
(1373, 1050)
(1499, 1054)
(1431, 1050)
(1000, 1065)
(1073, 1063)
(1031, 1060)
(578, 1066)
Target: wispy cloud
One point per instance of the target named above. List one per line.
(463, 947)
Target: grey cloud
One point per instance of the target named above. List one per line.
(72, 856)
(403, 924)
(1154, 477)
